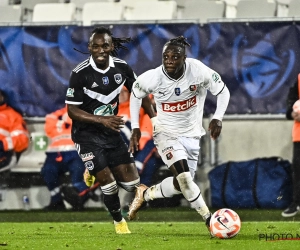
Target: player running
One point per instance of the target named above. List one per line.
(179, 87)
(93, 99)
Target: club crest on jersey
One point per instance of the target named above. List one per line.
(70, 92)
(87, 156)
(193, 87)
(177, 91)
(105, 80)
(118, 78)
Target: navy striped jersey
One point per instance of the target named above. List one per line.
(97, 92)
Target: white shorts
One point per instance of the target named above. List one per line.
(173, 149)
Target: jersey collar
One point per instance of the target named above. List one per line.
(166, 74)
(93, 64)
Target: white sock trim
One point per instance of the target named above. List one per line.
(110, 189)
(131, 185)
(191, 192)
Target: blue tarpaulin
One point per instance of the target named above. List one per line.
(257, 60)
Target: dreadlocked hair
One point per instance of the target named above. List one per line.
(117, 41)
(180, 41)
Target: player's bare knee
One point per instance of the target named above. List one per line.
(181, 166)
(131, 185)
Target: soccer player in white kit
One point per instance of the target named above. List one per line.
(179, 87)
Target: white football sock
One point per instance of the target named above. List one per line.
(165, 189)
(192, 193)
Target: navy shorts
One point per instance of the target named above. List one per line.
(96, 158)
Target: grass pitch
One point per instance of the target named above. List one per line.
(169, 229)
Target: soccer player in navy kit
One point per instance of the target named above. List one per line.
(93, 99)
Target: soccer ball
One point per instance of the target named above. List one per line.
(225, 223)
(296, 106)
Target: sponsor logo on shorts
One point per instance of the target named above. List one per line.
(179, 106)
(89, 165)
(169, 156)
(167, 149)
(87, 156)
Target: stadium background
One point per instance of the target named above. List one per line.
(256, 57)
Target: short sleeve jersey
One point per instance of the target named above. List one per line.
(97, 92)
(180, 102)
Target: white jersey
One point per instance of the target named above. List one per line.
(180, 102)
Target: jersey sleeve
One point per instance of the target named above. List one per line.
(130, 77)
(211, 79)
(75, 92)
(144, 84)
